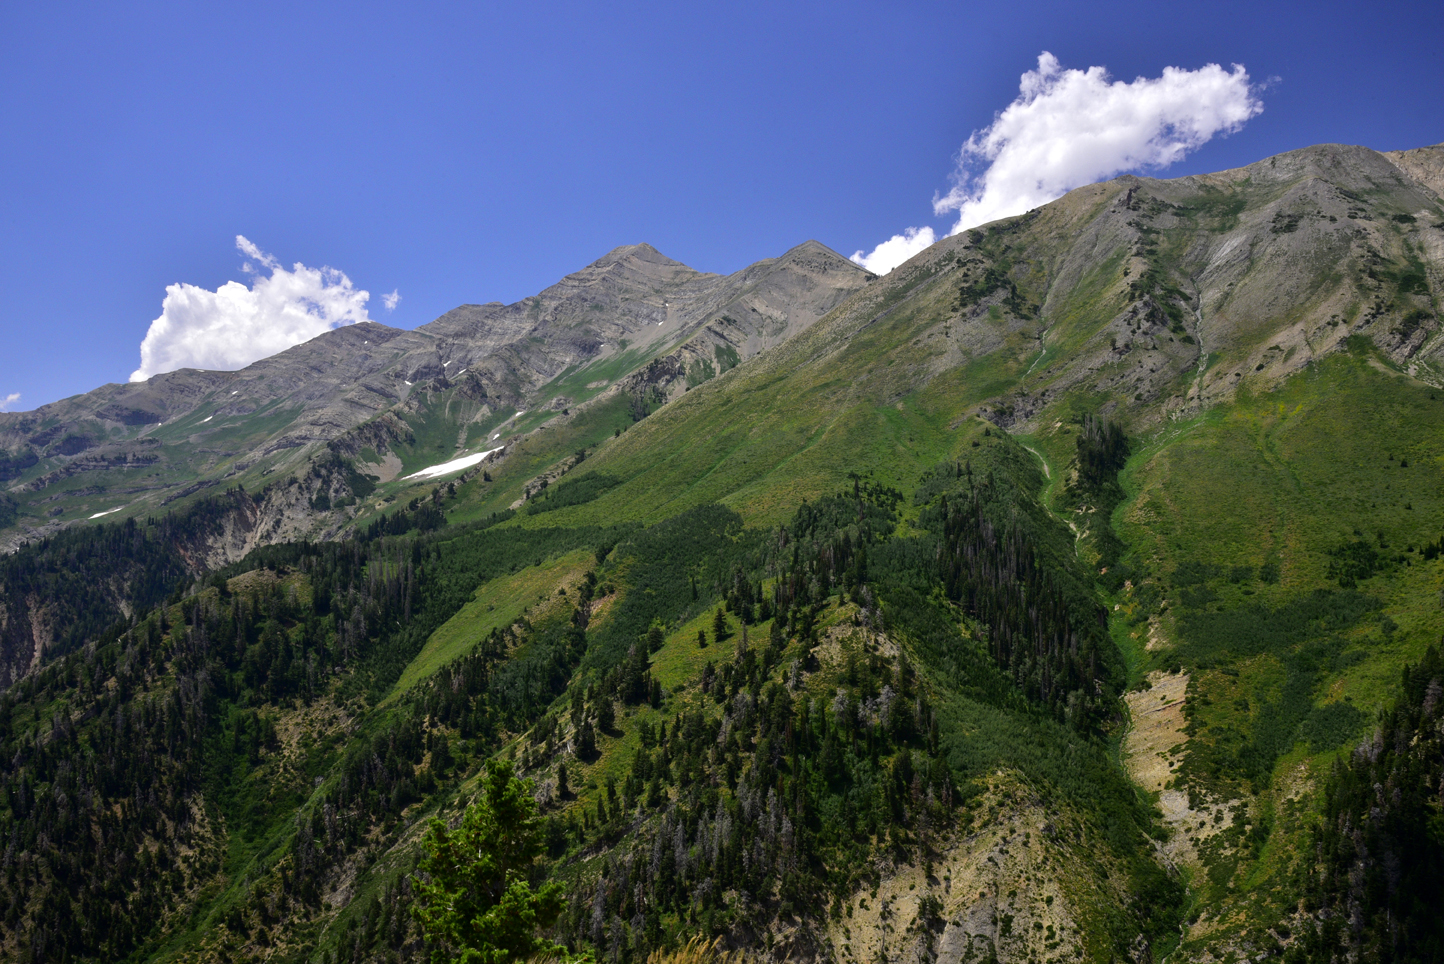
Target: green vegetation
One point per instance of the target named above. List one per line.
(497, 604)
(12, 465)
(1376, 893)
(761, 650)
(474, 897)
(302, 633)
(727, 357)
(572, 492)
(144, 562)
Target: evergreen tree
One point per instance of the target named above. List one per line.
(441, 760)
(586, 742)
(475, 902)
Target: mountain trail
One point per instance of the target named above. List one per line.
(1042, 353)
(1047, 499)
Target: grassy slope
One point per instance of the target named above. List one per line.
(1285, 478)
(769, 434)
(497, 604)
(876, 388)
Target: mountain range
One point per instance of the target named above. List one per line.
(1063, 594)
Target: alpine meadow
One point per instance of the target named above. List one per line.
(1072, 592)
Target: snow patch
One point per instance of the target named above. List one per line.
(455, 465)
(107, 512)
(207, 419)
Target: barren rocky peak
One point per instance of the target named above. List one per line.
(1424, 164)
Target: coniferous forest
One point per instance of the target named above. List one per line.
(1380, 877)
(216, 763)
(217, 770)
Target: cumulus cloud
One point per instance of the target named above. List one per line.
(9, 400)
(895, 250)
(1069, 127)
(391, 300)
(235, 325)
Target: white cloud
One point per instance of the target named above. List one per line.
(895, 250)
(231, 327)
(1068, 128)
(249, 248)
(1072, 127)
(391, 300)
(9, 400)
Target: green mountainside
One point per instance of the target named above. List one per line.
(318, 440)
(1066, 594)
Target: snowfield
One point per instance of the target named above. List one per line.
(455, 465)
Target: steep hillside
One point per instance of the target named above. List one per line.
(1150, 299)
(1036, 601)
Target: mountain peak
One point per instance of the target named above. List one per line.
(811, 246)
(643, 252)
(819, 254)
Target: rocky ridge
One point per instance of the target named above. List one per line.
(640, 315)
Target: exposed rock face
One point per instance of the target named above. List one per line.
(1424, 164)
(1014, 884)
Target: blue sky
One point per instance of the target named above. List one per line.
(469, 153)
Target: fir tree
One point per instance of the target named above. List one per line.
(475, 902)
